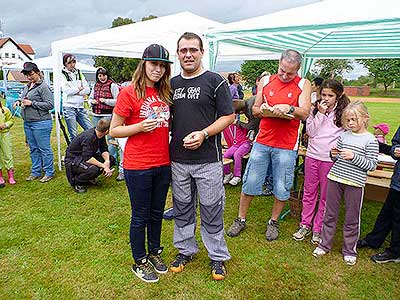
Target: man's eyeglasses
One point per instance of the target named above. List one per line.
(184, 51)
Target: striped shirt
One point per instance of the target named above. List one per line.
(354, 172)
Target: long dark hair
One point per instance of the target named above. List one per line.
(341, 99)
(1, 106)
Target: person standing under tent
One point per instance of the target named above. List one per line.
(74, 88)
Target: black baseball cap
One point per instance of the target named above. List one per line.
(156, 52)
(29, 66)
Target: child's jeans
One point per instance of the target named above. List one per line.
(237, 152)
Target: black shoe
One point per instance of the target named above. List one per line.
(362, 244)
(144, 271)
(156, 261)
(79, 189)
(179, 263)
(218, 271)
(385, 257)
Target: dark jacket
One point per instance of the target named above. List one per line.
(85, 146)
(42, 102)
(395, 183)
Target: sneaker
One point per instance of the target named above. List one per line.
(144, 271)
(218, 271)
(350, 260)
(272, 230)
(235, 180)
(156, 261)
(120, 177)
(267, 192)
(316, 238)
(302, 233)
(228, 178)
(179, 263)
(318, 252)
(46, 178)
(385, 257)
(237, 227)
(32, 178)
(79, 189)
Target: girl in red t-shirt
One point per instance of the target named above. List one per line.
(142, 114)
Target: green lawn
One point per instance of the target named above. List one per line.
(56, 244)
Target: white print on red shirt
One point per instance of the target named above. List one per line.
(154, 108)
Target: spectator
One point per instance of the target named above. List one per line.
(388, 219)
(74, 87)
(283, 101)
(355, 154)
(36, 102)
(87, 157)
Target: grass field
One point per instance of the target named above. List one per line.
(56, 244)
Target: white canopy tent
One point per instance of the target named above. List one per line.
(45, 65)
(326, 30)
(131, 40)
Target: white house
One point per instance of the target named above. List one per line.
(11, 52)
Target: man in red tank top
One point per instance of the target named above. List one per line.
(282, 103)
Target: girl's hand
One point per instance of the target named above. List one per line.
(334, 152)
(2, 126)
(148, 125)
(347, 154)
(322, 107)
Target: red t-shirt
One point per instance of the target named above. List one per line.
(277, 132)
(144, 150)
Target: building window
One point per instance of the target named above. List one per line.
(13, 55)
(6, 55)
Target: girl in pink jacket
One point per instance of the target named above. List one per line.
(324, 125)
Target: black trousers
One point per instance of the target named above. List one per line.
(387, 221)
(84, 172)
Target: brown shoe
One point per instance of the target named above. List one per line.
(46, 178)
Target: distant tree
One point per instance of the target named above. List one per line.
(385, 71)
(121, 21)
(149, 17)
(333, 68)
(251, 69)
(120, 69)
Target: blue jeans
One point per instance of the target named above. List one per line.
(111, 149)
(73, 116)
(261, 157)
(147, 191)
(38, 137)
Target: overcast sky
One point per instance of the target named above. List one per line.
(40, 22)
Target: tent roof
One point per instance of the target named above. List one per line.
(46, 64)
(326, 29)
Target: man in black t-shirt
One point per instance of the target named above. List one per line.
(87, 156)
(202, 108)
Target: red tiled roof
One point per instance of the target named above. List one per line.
(27, 48)
(3, 41)
(18, 76)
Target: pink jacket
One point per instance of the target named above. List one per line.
(323, 134)
(235, 135)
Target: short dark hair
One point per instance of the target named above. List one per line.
(318, 81)
(103, 125)
(190, 36)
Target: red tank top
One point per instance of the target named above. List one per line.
(277, 132)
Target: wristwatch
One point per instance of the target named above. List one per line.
(291, 109)
(205, 134)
